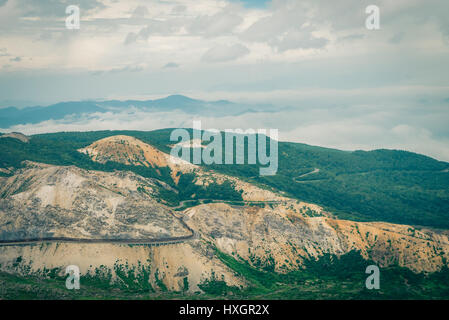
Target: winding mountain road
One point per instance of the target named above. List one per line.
(164, 241)
(152, 242)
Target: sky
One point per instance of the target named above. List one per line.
(346, 86)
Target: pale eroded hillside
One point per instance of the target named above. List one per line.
(43, 201)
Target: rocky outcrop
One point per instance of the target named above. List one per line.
(284, 235)
(131, 151)
(53, 201)
(45, 201)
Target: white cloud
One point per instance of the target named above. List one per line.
(219, 24)
(131, 38)
(349, 87)
(221, 53)
(140, 12)
(170, 65)
(185, 27)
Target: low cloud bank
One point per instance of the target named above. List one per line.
(416, 128)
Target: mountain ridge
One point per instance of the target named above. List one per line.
(391, 186)
(35, 114)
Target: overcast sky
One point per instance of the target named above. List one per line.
(349, 87)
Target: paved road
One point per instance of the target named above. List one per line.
(316, 170)
(153, 242)
(202, 201)
(164, 241)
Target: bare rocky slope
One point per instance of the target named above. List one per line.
(284, 235)
(131, 151)
(42, 200)
(53, 201)
(45, 201)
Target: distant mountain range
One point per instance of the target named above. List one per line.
(30, 115)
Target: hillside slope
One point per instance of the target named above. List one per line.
(267, 233)
(41, 200)
(380, 185)
(131, 151)
(282, 237)
(128, 150)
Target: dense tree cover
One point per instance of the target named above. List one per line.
(387, 185)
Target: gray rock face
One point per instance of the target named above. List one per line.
(281, 237)
(52, 201)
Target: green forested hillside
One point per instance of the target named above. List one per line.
(386, 185)
(395, 186)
